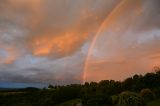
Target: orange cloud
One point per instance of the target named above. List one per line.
(57, 45)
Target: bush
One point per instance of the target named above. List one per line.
(157, 92)
(147, 95)
(130, 99)
(115, 99)
(98, 100)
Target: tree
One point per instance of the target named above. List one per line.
(137, 82)
(149, 80)
(50, 86)
(127, 84)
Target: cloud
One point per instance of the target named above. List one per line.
(48, 40)
(43, 70)
(53, 24)
(45, 40)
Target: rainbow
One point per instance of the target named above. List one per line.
(104, 23)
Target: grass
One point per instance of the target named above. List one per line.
(154, 103)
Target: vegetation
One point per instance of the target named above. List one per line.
(130, 99)
(154, 103)
(134, 91)
(147, 95)
(73, 102)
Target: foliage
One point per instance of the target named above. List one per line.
(147, 95)
(115, 99)
(73, 102)
(157, 92)
(154, 103)
(98, 100)
(130, 99)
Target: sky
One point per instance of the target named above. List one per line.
(73, 41)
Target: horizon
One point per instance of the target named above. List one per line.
(40, 85)
(64, 42)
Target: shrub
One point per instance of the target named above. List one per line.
(157, 92)
(147, 95)
(130, 99)
(115, 99)
(98, 100)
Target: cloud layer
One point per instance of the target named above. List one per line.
(48, 40)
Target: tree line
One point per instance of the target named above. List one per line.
(137, 90)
